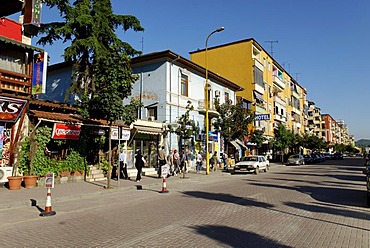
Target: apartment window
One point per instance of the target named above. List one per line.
(258, 77)
(264, 62)
(227, 97)
(269, 66)
(152, 113)
(184, 84)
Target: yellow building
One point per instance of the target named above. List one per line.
(269, 90)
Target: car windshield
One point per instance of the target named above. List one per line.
(249, 159)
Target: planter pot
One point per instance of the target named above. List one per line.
(30, 181)
(14, 183)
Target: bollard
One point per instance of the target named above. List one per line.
(48, 210)
(164, 186)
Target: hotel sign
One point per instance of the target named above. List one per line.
(262, 117)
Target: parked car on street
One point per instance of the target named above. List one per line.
(296, 159)
(328, 156)
(367, 173)
(253, 163)
(338, 155)
(308, 159)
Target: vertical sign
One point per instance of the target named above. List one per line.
(49, 180)
(40, 63)
(33, 12)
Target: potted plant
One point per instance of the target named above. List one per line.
(25, 167)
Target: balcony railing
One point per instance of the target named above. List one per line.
(278, 82)
(15, 82)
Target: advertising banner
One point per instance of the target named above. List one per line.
(40, 64)
(11, 108)
(124, 136)
(66, 131)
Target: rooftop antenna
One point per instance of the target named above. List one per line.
(272, 46)
(142, 44)
(296, 75)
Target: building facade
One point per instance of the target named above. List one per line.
(269, 90)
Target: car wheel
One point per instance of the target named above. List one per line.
(257, 170)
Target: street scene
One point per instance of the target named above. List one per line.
(317, 205)
(133, 123)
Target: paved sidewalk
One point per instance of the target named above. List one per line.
(80, 190)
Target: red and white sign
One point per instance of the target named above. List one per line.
(49, 180)
(66, 131)
(11, 108)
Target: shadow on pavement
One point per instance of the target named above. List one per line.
(330, 210)
(232, 237)
(34, 204)
(228, 198)
(341, 196)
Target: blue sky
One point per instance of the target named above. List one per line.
(324, 44)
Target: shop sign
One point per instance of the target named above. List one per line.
(11, 108)
(98, 132)
(40, 64)
(125, 135)
(66, 131)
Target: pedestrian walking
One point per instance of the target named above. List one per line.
(123, 165)
(176, 162)
(162, 160)
(214, 161)
(199, 162)
(139, 162)
(224, 159)
(170, 162)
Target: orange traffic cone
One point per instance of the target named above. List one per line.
(48, 211)
(164, 186)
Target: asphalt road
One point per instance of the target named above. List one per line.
(322, 205)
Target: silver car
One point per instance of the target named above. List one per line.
(296, 159)
(253, 163)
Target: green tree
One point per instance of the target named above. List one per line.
(283, 139)
(258, 138)
(187, 127)
(233, 120)
(101, 61)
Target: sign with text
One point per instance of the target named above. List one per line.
(49, 180)
(11, 108)
(66, 131)
(164, 171)
(262, 117)
(124, 136)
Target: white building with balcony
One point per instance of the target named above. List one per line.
(167, 82)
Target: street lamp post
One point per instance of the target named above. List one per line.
(206, 98)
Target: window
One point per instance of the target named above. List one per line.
(258, 77)
(227, 97)
(184, 84)
(269, 66)
(152, 113)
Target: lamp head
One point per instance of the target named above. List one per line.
(220, 29)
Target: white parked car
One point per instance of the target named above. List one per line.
(253, 163)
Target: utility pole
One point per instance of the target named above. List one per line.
(272, 46)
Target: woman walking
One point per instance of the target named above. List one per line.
(139, 162)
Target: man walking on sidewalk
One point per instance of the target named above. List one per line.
(123, 165)
(162, 161)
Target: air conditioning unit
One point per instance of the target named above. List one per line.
(217, 93)
(5, 172)
(151, 118)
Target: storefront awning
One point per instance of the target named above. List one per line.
(241, 144)
(20, 44)
(148, 130)
(235, 144)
